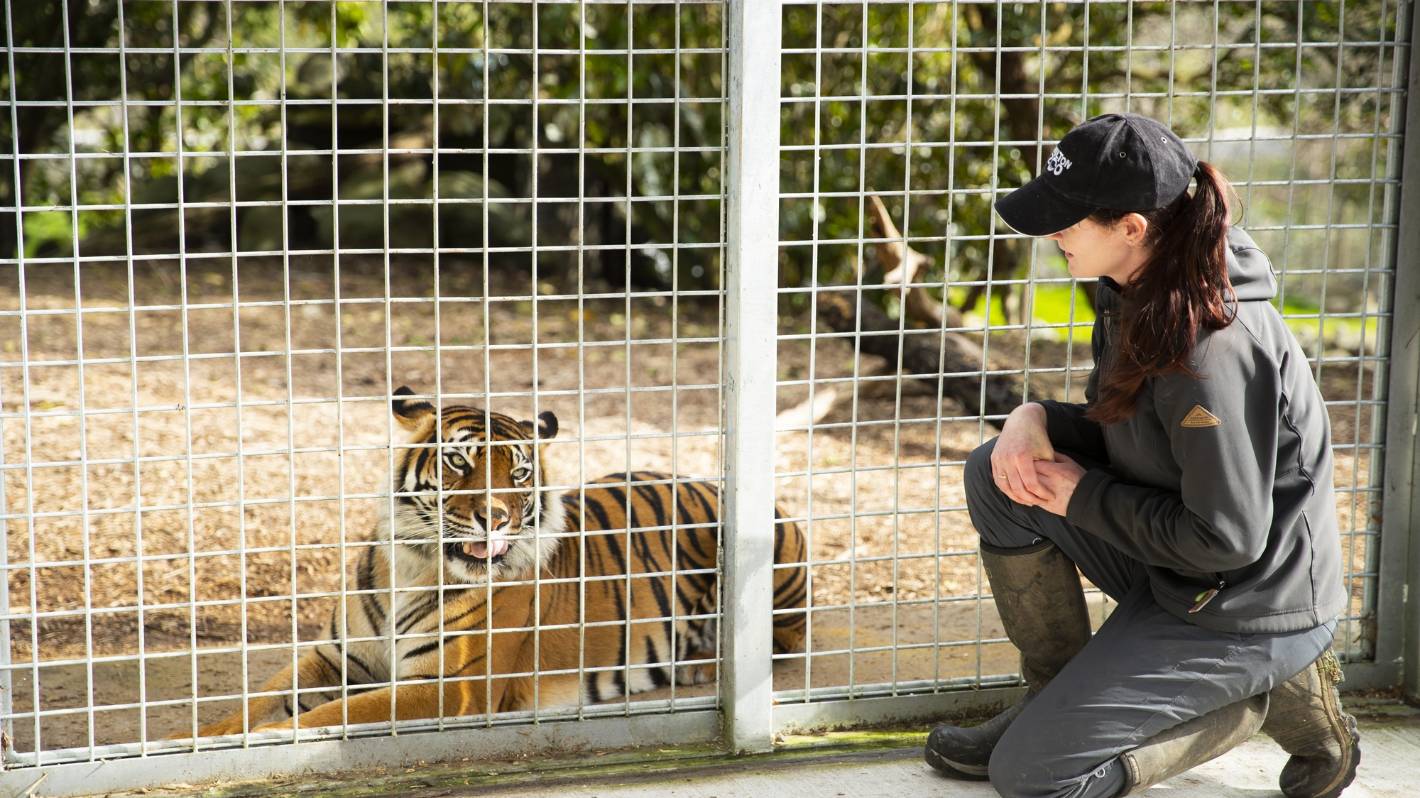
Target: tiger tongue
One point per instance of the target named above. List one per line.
(480, 549)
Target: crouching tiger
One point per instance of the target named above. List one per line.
(594, 578)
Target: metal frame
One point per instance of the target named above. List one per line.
(330, 754)
(680, 718)
(753, 224)
(1381, 576)
(1398, 652)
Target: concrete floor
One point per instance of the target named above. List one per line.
(1390, 768)
(884, 763)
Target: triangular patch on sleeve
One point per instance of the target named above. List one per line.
(1199, 418)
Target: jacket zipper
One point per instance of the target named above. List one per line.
(1201, 600)
(1108, 317)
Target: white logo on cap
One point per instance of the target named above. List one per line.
(1057, 164)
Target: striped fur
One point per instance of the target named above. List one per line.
(597, 566)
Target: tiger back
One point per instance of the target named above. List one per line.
(648, 550)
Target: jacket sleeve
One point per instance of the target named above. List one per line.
(1065, 422)
(1223, 433)
(1070, 430)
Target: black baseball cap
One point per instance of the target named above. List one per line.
(1123, 162)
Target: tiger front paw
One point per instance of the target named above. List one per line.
(219, 729)
(280, 725)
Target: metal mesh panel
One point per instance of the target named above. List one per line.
(902, 122)
(230, 230)
(238, 228)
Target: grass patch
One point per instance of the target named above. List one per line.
(1051, 305)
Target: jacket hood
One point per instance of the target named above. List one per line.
(1249, 269)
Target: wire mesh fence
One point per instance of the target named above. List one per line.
(274, 215)
(231, 231)
(911, 320)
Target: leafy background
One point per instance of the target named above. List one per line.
(912, 89)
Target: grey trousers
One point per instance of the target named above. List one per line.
(1143, 672)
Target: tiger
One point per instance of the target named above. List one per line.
(623, 604)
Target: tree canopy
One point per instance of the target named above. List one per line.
(488, 106)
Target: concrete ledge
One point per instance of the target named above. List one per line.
(861, 764)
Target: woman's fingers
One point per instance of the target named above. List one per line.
(1031, 482)
(1000, 474)
(1049, 474)
(1016, 489)
(1016, 477)
(1062, 469)
(1018, 451)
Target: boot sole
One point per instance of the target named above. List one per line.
(956, 770)
(1355, 763)
(1350, 776)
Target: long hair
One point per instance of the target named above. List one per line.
(1182, 287)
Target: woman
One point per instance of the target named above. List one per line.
(1193, 487)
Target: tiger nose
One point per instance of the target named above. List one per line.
(492, 519)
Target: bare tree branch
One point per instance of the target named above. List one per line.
(954, 359)
(902, 264)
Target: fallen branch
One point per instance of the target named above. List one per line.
(902, 264)
(951, 353)
(961, 358)
(805, 414)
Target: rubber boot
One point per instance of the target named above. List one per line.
(1192, 743)
(1307, 721)
(1042, 607)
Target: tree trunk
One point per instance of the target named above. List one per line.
(1021, 118)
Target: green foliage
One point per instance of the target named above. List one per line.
(48, 233)
(933, 106)
(926, 119)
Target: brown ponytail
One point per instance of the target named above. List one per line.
(1183, 286)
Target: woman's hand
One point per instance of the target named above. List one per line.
(1022, 443)
(1059, 478)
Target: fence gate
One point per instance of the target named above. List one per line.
(911, 320)
(231, 229)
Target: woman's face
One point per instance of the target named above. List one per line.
(1098, 250)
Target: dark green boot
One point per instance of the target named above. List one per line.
(1192, 743)
(1307, 721)
(1042, 607)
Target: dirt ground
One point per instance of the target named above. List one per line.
(634, 383)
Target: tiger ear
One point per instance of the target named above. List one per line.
(409, 412)
(546, 426)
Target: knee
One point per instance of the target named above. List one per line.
(1021, 777)
(998, 519)
(1020, 768)
(1014, 773)
(976, 476)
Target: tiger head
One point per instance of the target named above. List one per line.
(472, 483)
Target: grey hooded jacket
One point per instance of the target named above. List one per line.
(1220, 482)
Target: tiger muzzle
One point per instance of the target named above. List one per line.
(493, 519)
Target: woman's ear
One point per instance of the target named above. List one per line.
(1135, 228)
